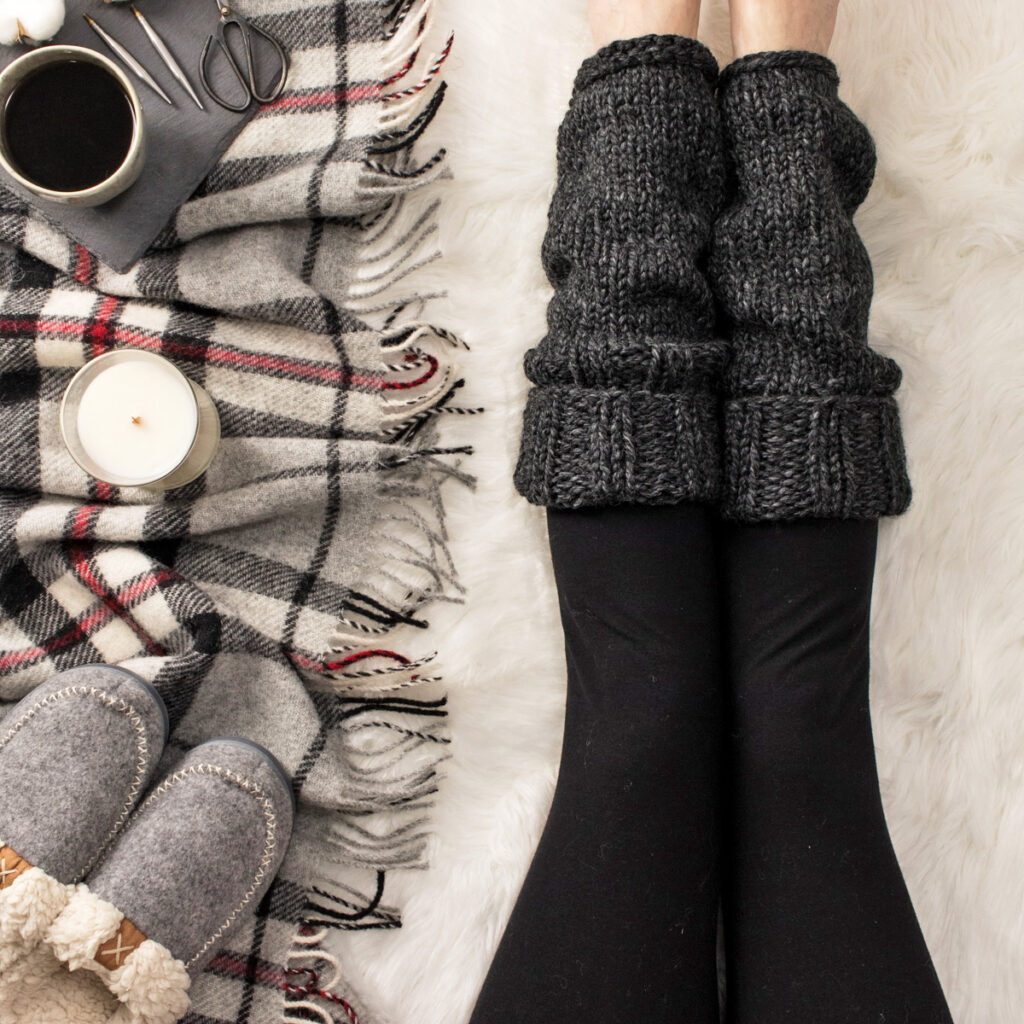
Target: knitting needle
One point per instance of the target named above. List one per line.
(168, 58)
(132, 63)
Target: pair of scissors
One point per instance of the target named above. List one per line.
(246, 80)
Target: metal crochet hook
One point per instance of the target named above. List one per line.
(166, 56)
(128, 59)
(247, 80)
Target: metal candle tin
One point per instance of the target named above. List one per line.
(204, 442)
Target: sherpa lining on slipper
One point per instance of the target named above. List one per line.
(150, 984)
(28, 906)
(46, 992)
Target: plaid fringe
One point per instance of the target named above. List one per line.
(325, 420)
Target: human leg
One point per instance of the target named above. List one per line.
(628, 19)
(819, 925)
(621, 441)
(617, 918)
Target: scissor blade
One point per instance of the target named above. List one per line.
(129, 60)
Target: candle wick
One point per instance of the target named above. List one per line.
(136, 420)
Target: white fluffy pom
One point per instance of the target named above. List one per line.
(85, 923)
(152, 984)
(34, 20)
(28, 907)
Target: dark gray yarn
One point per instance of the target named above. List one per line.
(811, 427)
(625, 409)
(632, 386)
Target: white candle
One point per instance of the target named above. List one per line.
(133, 419)
(137, 421)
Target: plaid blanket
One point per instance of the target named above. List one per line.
(276, 596)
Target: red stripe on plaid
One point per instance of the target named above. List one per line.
(317, 665)
(14, 659)
(305, 661)
(126, 596)
(42, 327)
(243, 969)
(131, 594)
(81, 557)
(83, 264)
(279, 979)
(81, 562)
(363, 655)
(246, 360)
(225, 356)
(99, 329)
(84, 518)
(325, 98)
(81, 629)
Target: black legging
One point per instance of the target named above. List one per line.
(617, 918)
(818, 923)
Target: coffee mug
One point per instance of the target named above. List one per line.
(21, 145)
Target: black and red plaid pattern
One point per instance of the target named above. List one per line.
(267, 598)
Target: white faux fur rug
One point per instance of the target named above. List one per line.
(940, 83)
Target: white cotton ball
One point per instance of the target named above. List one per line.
(9, 22)
(42, 19)
(39, 19)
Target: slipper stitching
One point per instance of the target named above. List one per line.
(270, 831)
(141, 748)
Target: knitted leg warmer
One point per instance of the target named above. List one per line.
(811, 427)
(625, 408)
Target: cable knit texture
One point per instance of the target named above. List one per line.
(811, 427)
(625, 408)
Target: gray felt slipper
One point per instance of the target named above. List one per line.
(76, 754)
(197, 856)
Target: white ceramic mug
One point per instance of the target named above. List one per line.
(130, 168)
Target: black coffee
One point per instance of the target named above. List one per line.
(68, 126)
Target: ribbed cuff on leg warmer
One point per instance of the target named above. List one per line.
(596, 446)
(811, 427)
(625, 407)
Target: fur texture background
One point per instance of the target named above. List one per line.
(939, 83)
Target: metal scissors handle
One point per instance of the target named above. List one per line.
(246, 80)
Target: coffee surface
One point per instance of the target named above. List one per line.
(68, 126)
